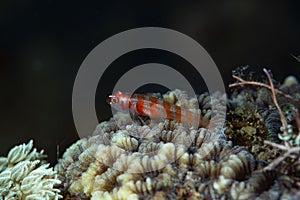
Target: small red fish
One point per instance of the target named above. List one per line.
(153, 107)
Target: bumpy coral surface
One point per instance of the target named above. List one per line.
(252, 116)
(163, 160)
(264, 116)
(25, 176)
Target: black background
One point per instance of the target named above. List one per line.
(43, 44)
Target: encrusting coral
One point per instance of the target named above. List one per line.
(163, 160)
(252, 116)
(285, 102)
(25, 175)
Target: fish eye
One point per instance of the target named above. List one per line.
(114, 100)
(111, 99)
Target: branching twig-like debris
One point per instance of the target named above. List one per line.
(244, 82)
(297, 118)
(286, 147)
(281, 115)
(296, 57)
(277, 161)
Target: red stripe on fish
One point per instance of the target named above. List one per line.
(139, 106)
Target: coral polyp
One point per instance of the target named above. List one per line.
(25, 175)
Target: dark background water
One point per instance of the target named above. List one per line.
(43, 44)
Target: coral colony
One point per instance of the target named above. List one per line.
(25, 174)
(254, 154)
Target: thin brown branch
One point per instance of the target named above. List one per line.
(244, 82)
(297, 118)
(279, 146)
(282, 117)
(278, 160)
(296, 57)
